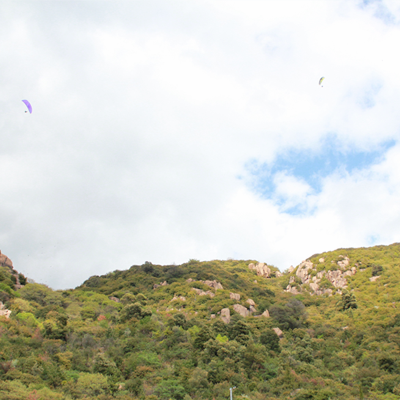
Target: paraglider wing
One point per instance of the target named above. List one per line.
(28, 105)
(321, 80)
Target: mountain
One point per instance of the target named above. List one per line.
(327, 329)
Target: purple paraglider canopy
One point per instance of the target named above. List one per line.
(28, 105)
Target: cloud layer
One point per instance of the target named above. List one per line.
(163, 131)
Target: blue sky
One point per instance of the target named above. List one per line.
(312, 167)
(168, 130)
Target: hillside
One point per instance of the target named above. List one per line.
(327, 329)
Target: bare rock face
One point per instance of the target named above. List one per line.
(234, 296)
(278, 274)
(3, 311)
(226, 315)
(262, 269)
(291, 269)
(321, 260)
(5, 261)
(337, 279)
(343, 263)
(278, 332)
(302, 270)
(243, 311)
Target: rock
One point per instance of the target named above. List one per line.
(321, 260)
(278, 274)
(243, 311)
(344, 263)
(302, 270)
(116, 299)
(374, 278)
(292, 289)
(5, 261)
(252, 309)
(181, 298)
(314, 286)
(203, 293)
(3, 311)
(212, 316)
(336, 278)
(278, 332)
(190, 280)
(265, 314)
(291, 269)
(213, 284)
(234, 296)
(226, 315)
(155, 286)
(262, 269)
(251, 302)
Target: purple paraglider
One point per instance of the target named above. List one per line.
(28, 105)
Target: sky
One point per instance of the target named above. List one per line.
(170, 130)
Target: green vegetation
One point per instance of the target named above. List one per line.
(126, 335)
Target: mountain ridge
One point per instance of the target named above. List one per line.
(194, 330)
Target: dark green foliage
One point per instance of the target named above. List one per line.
(348, 301)
(79, 344)
(270, 340)
(290, 316)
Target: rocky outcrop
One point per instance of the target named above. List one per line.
(203, 293)
(5, 261)
(116, 299)
(302, 270)
(374, 278)
(278, 332)
(251, 302)
(213, 284)
(343, 263)
(234, 296)
(292, 289)
(308, 276)
(161, 284)
(3, 311)
(243, 311)
(265, 314)
(226, 315)
(181, 298)
(261, 269)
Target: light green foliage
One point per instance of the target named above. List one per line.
(79, 344)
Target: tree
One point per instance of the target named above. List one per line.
(290, 316)
(270, 340)
(347, 301)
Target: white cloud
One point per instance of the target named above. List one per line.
(146, 115)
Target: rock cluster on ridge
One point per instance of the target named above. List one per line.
(307, 274)
(5, 261)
